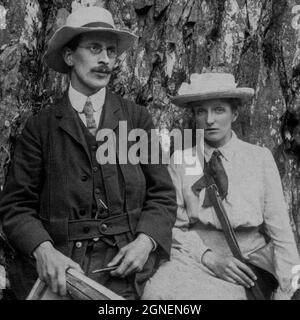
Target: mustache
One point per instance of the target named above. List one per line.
(102, 69)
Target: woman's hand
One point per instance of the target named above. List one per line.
(229, 268)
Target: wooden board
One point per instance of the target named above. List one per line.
(79, 287)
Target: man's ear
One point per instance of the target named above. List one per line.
(68, 56)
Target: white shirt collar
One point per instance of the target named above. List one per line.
(227, 150)
(78, 99)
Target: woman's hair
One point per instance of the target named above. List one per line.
(234, 104)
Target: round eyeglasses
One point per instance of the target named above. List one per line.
(97, 49)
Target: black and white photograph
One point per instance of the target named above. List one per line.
(149, 150)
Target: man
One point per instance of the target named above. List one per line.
(60, 208)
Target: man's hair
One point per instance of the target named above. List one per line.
(72, 45)
(74, 42)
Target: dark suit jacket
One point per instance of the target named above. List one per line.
(44, 186)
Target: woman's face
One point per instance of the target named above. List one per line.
(215, 117)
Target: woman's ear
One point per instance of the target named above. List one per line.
(68, 56)
(235, 115)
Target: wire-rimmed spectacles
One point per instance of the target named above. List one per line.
(96, 49)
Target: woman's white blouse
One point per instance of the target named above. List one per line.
(254, 197)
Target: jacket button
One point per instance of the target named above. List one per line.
(97, 190)
(103, 227)
(94, 148)
(84, 178)
(86, 229)
(82, 212)
(78, 244)
(95, 169)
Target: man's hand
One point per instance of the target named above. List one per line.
(52, 265)
(132, 257)
(229, 269)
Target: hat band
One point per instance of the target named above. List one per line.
(98, 25)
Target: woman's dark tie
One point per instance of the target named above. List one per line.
(214, 168)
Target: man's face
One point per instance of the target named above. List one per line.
(215, 117)
(92, 62)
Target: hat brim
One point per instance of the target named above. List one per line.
(53, 56)
(242, 94)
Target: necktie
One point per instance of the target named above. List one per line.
(214, 168)
(88, 111)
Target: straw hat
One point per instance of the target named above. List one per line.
(84, 20)
(207, 86)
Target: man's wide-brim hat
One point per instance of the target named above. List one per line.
(208, 86)
(83, 20)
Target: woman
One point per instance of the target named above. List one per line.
(202, 265)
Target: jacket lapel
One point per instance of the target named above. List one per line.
(112, 112)
(69, 122)
(111, 115)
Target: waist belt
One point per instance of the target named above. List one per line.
(89, 228)
(209, 227)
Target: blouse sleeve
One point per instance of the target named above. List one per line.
(277, 223)
(182, 238)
